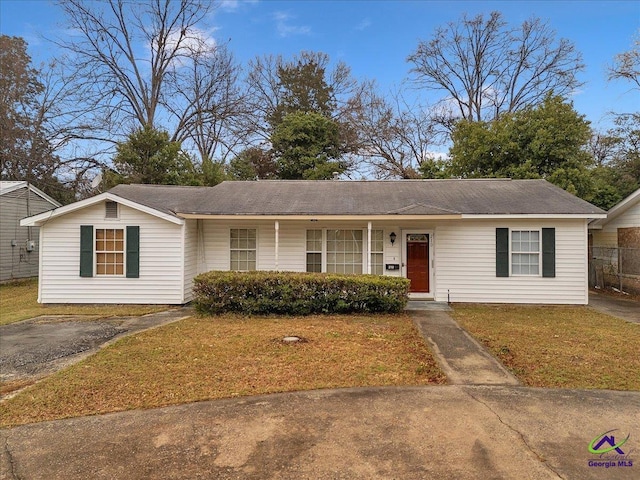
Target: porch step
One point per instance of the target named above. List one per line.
(428, 305)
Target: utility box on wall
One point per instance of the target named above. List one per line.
(19, 245)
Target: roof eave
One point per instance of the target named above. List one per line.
(534, 215)
(209, 216)
(386, 217)
(617, 210)
(42, 218)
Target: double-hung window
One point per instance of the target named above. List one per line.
(525, 252)
(109, 251)
(314, 250)
(243, 249)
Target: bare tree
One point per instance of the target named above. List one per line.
(38, 123)
(211, 104)
(486, 67)
(395, 137)
(627, 65)
(124, 53)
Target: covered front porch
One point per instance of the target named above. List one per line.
(363, 246)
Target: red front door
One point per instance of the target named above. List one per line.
(418, 263)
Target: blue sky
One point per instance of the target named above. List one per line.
(375, 37)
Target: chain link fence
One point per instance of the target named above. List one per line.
(615, 267)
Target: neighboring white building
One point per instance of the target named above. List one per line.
(614, 242)
(496, 240)
(19, 245)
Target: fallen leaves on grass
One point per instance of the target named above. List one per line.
(229, 356)
(556, 346)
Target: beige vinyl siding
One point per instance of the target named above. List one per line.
(608, 235)
(630, 218)
(465, 264)
(605, 239)
(161, 261)
(15, 261)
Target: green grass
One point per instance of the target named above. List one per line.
(553, 346)
(230, 356)
(19, 301)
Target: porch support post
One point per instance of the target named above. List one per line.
(277, 227)
(369, 248)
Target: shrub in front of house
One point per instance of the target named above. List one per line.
(290, 293)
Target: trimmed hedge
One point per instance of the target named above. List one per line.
(290, 293)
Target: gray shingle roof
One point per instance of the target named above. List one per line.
(399, 197)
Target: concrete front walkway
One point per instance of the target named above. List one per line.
(463, 360)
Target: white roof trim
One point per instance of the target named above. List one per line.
(12, 186)
(317, 217)
(42, 218)
(389, 217)
(617, 210)
(529, 216)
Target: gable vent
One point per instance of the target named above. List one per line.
(111, 210)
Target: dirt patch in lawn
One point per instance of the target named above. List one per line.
(230, 356)
(553, 346)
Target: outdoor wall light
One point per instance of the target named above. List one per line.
(392, 237)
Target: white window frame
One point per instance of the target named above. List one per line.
(322, 251)
(366, 255)
(96, 252)
(377, 252)
(513, 252)
(255, 250)
(362, 252)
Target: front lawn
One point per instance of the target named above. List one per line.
(554, 346)
(230, 356)
(19, 301)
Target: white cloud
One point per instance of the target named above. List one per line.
(365, 23)
(233, 5)
(193, 40)
(286, 29)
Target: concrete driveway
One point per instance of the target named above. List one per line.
(618, 307)
(445, 432)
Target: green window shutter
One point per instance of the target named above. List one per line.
(133, 252)
(502, 252)
(86, 250)
(548, 252)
